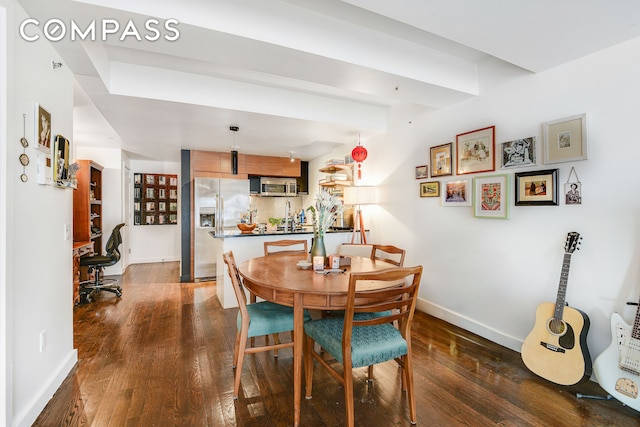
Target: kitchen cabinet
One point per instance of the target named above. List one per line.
(218, 165)
(87, 205)
(280, 166)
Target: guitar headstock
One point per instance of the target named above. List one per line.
(573, 240)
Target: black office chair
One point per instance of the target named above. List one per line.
(89, 288)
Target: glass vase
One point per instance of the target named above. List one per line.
(317, 248)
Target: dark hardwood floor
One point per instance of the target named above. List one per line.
(161, 356)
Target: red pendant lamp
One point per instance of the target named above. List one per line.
(359, 154)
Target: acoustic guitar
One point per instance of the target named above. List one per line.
(556, 348)
(617, 368)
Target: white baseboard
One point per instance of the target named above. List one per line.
(37, 404)
(469, 325)
(154, 259)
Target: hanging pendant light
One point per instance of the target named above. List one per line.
(359, 155)
(234, 151)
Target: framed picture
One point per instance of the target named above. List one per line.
(536, 188)
(43, 124)
(60, 161)
(491, 197)
(565, 140)
(573, 193)
(441, 160)
(456, 193)
(422, 172)
(430, 189)
(475, 151)
(518, 153)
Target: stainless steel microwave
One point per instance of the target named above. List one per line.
(280, 187)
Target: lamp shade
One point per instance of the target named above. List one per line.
(359, 195)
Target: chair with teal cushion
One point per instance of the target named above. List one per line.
(254, 320)
(366, 335)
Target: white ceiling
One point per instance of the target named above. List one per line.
(303, 75)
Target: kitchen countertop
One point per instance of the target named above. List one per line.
(304, 230)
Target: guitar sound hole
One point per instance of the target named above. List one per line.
(557, 327)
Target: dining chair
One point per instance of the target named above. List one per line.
(256, 319)
(352, 249)
(388, 253)
(370, 338)
(285, 247)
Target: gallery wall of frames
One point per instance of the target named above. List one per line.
(155, 199)
(476, 152)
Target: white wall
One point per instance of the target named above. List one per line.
(489, 275)
(38, 258)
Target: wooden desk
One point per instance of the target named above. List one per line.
(278, 279)
(80, 249)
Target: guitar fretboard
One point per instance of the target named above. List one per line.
(562, 289)
(635, 332)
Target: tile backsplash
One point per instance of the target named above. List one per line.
(274, 207)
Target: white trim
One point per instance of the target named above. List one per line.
(49, 387)
(469, 324)
(5, 307)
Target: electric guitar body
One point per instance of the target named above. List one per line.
(617, 368)
(556, 348)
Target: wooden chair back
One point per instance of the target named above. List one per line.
(393, 302)
(285, 247)
(236, 281)
(388, 253)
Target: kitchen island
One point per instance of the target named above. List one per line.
(251, 245)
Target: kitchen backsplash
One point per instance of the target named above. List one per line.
(274, 207)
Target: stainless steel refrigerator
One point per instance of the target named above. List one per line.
(218, 206)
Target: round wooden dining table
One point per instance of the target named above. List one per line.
(277, 278)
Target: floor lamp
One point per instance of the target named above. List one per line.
(358, 196)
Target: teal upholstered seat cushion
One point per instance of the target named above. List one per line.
(369, 344)
(266, 318)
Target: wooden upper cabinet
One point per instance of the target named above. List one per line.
(225, 163)
(280, 166)
(253, 164)
(207, 162)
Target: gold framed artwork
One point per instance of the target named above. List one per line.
(422, 172)
(61, 162)
(565, 140)
(475, 151)
(430, 189)
(441, 160)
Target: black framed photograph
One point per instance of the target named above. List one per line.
(475, 151)
(441, 160)
(565, 140)
(430, 189)
(422, 172)
(536, 188)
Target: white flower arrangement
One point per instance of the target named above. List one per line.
(327, 207)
